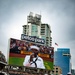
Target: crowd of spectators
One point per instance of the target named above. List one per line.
(17, 45)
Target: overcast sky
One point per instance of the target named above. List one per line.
(59, 14)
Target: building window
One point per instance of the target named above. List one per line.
(56, 68)
(56, 71)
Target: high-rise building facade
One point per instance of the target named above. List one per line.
(34, 27)
(62, 59)
(46, 34)
(31, 30)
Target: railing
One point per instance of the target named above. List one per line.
(21, 70)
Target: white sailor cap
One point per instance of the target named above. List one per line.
(34, 47)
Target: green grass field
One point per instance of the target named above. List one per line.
(19, 62)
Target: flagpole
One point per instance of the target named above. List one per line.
(55, 47)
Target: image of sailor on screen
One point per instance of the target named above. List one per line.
(34, 60)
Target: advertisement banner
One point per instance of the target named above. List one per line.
(24, 53)
(32, 39)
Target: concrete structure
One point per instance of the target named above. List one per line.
(46, 34)
(34, 27)
(3, 63)
(73, 71)
(56, 71)
(62, 58)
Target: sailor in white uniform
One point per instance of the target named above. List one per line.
(34, 60)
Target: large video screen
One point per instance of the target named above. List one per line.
(29, 54)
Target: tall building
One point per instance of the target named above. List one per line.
(34, 27)
(62, 59)
(46, 34)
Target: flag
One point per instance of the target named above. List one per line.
(56, 44)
